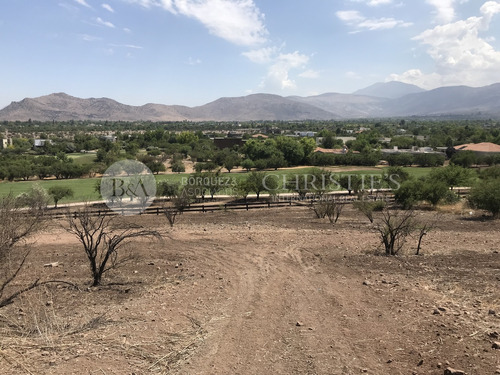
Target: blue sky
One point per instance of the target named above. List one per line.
(191, 52)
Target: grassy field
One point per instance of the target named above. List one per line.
(84, 189)
(80, 158)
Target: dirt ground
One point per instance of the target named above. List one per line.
(269, 291)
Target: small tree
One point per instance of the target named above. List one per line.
(434, 191)
(352, 183)
(452, 175)
(394, 227)
(101, 240)
(409, 193)
(259, 182)
(231, 161)
(393, 177)
(59, 192)
(178, 167)
(167, 189)
(247, 164)
(486, 196)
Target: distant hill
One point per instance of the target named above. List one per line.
(457, 100)
(259, 107)
(345, 105)
(389, 90)
(454, 100)
(63, 107)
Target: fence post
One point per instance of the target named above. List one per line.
(247, 205)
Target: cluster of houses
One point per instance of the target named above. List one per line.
(236, 139)
(481, 149)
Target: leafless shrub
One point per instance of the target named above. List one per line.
(101, 240)
(394, 227)
(16, 224)
(171, 214)
(327, 208)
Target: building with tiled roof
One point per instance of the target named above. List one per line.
(482, 148)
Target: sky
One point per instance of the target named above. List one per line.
(191, 52)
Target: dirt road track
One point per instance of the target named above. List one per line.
(292, 306)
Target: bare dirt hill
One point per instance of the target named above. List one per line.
(481, 102)
(270, 291)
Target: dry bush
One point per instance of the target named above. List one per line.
(327, 208)
(102, 240)
(367, 207)
(16, 224)
(394, 227)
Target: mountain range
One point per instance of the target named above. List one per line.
(391, 99)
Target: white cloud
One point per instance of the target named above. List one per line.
(279, 66)
(145, 3)
(83, 3)
(90, 38)
(132, 46)
(374, 3)
(356, 20)
(312, 74)
(350, 16)
(237, 21)
(108, 7)
(460, 54)
(445, 10)
(194, 62)
(262, 55)
(278, 75)
(416, 77)
(101, 22)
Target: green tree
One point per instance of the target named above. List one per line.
(393, 177)
(187, 137)
(292, 150)
(167, 189)
(247, 164)
(308, 145)
(433, 191)
(328, 140)
(231, 161)
(178, 167)
(352, 183)
(259, 182)
(486, 196)
(464, 158)
(452, 175)
(59, 192)
(490, 173)
(409, 193)
(429, 160)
